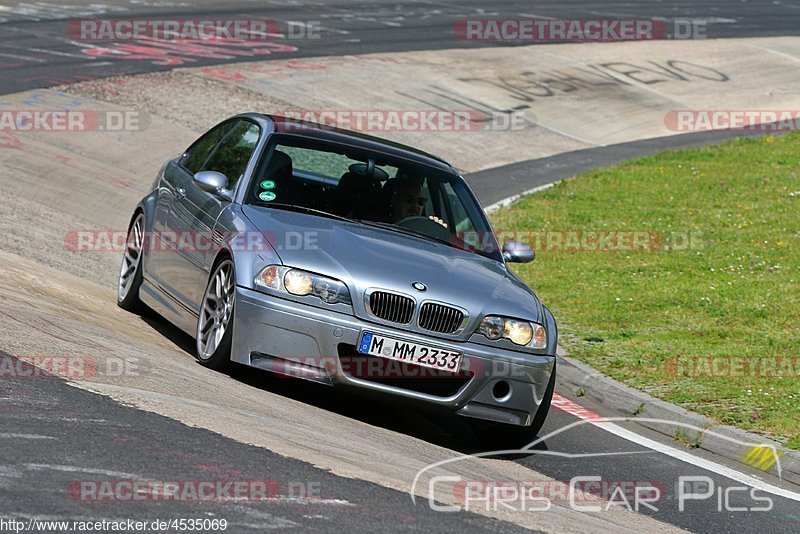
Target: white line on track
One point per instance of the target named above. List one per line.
(24, 436)
(771, 51)
(19, 56)
(52, 52)
(603, 423)
(78, 469)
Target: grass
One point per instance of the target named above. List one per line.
(719, 285)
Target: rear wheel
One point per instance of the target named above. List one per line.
(215, 323)
(498, 435)
(130, 272)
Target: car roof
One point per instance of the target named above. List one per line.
(312, 130)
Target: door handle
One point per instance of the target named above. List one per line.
(180, 192)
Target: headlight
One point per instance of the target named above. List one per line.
(518, 332)
(521, 333)
(298, 282)
(492, 327)
(301, 283)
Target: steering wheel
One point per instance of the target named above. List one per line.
(424, 225)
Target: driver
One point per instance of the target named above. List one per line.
(405, 200)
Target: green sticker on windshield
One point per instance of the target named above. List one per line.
(268, 184)
(266, 196)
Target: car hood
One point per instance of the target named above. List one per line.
(366, 257)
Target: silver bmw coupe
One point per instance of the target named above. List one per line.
(352, 261)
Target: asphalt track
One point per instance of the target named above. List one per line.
(37, 51)
(61, 427)
(50, 430)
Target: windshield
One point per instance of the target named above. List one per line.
(372, 188)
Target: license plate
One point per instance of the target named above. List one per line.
(406, 351)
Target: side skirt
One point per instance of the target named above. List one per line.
(166, 306)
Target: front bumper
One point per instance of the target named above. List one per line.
(295, 339)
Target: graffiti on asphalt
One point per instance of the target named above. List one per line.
(179, 51)
(525, 87)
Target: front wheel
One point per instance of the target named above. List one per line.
(502, 436)
(130, 271)
(215, 322)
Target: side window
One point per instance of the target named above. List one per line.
(203, 148)
(231, 155)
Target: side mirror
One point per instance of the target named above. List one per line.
(516, 252)
(211, 182)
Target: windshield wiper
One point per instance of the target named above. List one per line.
(466, 247)
(407, 231)
(301, 209)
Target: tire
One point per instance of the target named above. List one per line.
(500, 436)
(130, 270)
(214, 332)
